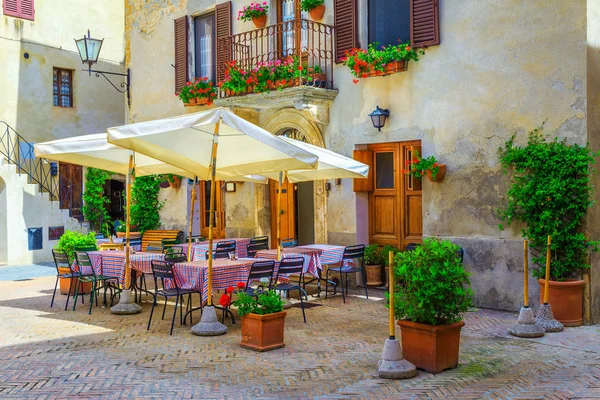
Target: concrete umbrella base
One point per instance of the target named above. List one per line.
(392, 364)
(209, 325)
(545, 319)
(526, 327)
(127, 305)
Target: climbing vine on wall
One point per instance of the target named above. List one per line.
(550, 191)
(145, 205)
(94, 202)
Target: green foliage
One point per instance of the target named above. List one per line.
(71, 239)
(385, 251)
(145, 205)
(419, 166)
(435, 288)
(268, 302)
(307, 5)
(373, 255)
(550, 191)
(122, 226)
(94, 202)
(198, 88)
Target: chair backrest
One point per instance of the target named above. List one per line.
(154, 247)
(85, 248)
(260, 240)
(61, 259)
(217, 254)
(99, 235)
(169, 242)
(226, 245)
(291, 266)
(175, 258)
(163, 270)
(411, 246)
(291, 242)
(82, 259)
(134, 242)
(460, 252)
(261, 269)
(254, 247)
(158, 236)
(356, 252)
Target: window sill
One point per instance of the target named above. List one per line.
(296, 96)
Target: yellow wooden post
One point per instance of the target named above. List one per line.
(128, 220)
(191, 224)
(279, 216)
(547, 283)
(391, 291)
(525, 271)
(213, 172)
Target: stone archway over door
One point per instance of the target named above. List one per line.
(3, 226)
(294, 120)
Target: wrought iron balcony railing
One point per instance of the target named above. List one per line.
(310, 43)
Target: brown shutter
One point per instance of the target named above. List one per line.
(223, 22)
(364, 184)
(27, 9)
(425, 23)
(181, 52)
(346, 27)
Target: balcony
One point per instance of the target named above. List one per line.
(282, 65)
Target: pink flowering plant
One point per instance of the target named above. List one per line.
(254, 10)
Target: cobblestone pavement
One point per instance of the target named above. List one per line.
(49, 353)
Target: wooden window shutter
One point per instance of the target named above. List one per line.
(27, 10)
(364, 184)
(346, 27)
(11, 7)
(223, 30)
(181, 52)
(424, 23)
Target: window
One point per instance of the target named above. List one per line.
(62, 87)
(19, 8)
(205, 46)
(389, 21)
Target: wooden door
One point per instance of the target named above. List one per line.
(204, 209)
(288, 211)
(70, 186)
(395, 205)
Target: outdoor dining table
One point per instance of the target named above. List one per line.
(136, 247)
(199, 249)
(112, 263)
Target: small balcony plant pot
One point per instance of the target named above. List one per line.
(263, 332)
(373, 275)
(176, 182)
(440, 174)
(193, 101)
(261, 21)
(317, 13)
(396, 66)
(65, 282)
(433, 348)
(566, 300)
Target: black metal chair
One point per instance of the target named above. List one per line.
(162, 270)
(175, 258)
(227, 246)
(291, 242)
(218, 254)
(61, 260)
(137, 242)
(260, 269)
(253, 248)
(292, 266)
(351, 253)
(260, 240)
(168, 244)
(83, 261)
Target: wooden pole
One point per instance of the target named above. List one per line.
(129, 178)
(526, 274)
(547, 282)
(391, 291)
(279, 216)
(213, 173)
(191, 224)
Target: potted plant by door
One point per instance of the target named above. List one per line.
(316, 8)
(263, 320)
(432, 295)
(419, 166)
(255, 12)
(67, 243)
(373, 261)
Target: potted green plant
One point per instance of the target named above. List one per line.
(235, 82)
(550, 191)
(316, 8)
(263, 320)
(199, 91)
(67, 243)
(133, 231)
(385, 251)
(431, 295)
(255, 12)
(419, 166)
(373, 261)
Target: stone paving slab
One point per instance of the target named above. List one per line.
(49, 353)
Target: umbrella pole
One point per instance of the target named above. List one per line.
(544, 317)
(209, 325)
(127, 303)
(194, 188)
(279, 216)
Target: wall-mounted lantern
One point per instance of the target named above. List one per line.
(378, 117)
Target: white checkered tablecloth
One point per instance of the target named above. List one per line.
(312, 258)
(199, 249)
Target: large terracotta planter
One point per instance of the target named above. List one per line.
(373, 275)
(566, 300)
(433, 348)
(261, 21)
(317, 13)
(65, 282)
(440, 174)
(263, 332)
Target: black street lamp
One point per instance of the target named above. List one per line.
(89, 51)
(378, 117)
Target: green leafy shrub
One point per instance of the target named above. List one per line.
(373, 255)
(145, 205)
(307, 5)
(71, 239)
(435, 288)
(550, 191)
(268, 302)
(385, 251)
(94, 202)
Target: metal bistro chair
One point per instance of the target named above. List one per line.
(218, 254)
(291, 242)
(168, 244)
(175, 258)
(357, 253)
(257, 243)
(260, 269)
(61, 260)
(162, 270)
(83, 260)
(292, 266)
(227, 246)
(137, 242)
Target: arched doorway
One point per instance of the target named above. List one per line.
(4, 226)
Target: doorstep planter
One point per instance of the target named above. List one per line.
(263, 332)
(566, 300)
(440, 174)
(65, 282)
(433, 348)
(260, 22)
(317, 13)
(373, 275)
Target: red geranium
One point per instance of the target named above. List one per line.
(230, 289)
(241, 285)
(225, 300)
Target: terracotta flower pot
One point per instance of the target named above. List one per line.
(193, 101)
(263, 332)
(433, 348)
(373, 275)
(440, 174)
(317, 13)
(202, 101)
(65, 282)
(566, 300)
(261, 21)
(176, 182)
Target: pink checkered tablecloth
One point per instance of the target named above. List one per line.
(330, 254)
(112, 263)
(312, 257)
(199, 249)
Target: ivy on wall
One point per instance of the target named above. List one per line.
(94, 202)
(145, 205)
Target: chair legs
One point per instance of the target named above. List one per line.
(151, 312)
(54, 294)
(174, 314)
(364, 276)
(301, 302)
(68, 294)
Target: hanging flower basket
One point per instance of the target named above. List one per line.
(260, 21)
(317, 13)
(174, 182)
(440, 173)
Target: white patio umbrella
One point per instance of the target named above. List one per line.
(216, 144)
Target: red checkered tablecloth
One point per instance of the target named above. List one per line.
(312, 257)
(199, 249)
(112, 263)
(330, 254)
